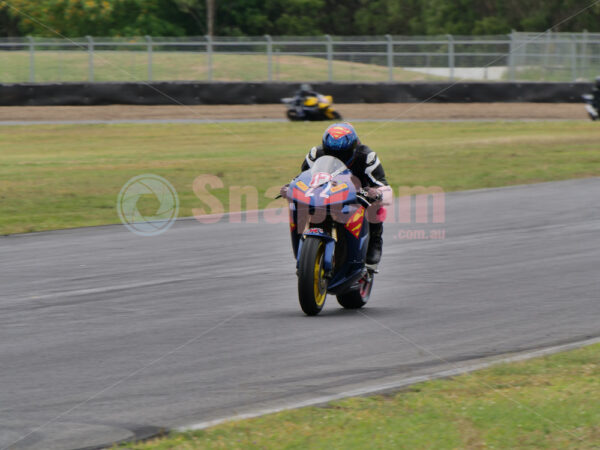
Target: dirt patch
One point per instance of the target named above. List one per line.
(416, 111)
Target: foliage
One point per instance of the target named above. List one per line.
(258, 17)
(296, 17)
(388, 16)
(500, 16)
(96, 17)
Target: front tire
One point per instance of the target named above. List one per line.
(358, 296)
(312, 285)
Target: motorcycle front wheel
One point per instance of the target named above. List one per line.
(312, 285)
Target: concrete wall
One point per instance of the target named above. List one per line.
(192, 93)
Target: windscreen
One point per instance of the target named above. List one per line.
(328, 164)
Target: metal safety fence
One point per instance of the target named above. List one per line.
(513, 57)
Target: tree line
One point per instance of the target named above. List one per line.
(73, 18)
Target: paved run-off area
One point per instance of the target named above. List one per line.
(107, 334)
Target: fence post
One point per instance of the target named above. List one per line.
(584, 51)
(209, 51)
(548, 41)
(329, 57)
(390, 57)
(150, 50)
(451, 56)
(91, 57)
(573, 58)
(511, 56)
(269, 56)
(31, 59)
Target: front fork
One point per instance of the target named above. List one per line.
(298, 235)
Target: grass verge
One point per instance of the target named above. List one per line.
(551, 402)
(180, 66)
(70, 175)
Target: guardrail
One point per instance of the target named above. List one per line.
(555, 57)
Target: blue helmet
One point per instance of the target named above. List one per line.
(340, 140)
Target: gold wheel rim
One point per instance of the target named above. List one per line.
(319, 272)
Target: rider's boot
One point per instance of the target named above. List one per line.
(375, 244)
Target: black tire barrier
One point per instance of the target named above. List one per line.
(233, 93)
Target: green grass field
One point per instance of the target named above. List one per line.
(178, 66)
(70, 175)
(551, 403)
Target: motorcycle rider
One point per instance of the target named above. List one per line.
(340, 140)
(304, 92)
(300, 97)
(596, 94)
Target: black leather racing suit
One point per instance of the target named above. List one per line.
(365, 165)
(368, 169)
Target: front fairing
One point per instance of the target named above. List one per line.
(327, 182)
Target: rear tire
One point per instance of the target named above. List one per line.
(357, 297)
(312, 285)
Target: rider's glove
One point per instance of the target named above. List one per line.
(373, 194)
(283, 191)
(369, 195)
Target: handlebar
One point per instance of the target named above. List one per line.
(362, 197)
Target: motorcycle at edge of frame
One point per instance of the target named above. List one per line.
(590, 106)
(313, 107)
(592, 101)
(330, 235)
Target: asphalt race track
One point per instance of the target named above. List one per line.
(106, 335)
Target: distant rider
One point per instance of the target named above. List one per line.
(340, 140)
(304, 92)
(596, 94)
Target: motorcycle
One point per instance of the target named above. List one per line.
(590, 106)
(330, 235)
(313, 107)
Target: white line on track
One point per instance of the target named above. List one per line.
(102, 290)
(393, 385)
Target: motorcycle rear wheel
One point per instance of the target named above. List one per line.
(357, 297)
(331, 114)
(312, 285)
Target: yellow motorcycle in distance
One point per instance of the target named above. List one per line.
(312, 107)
